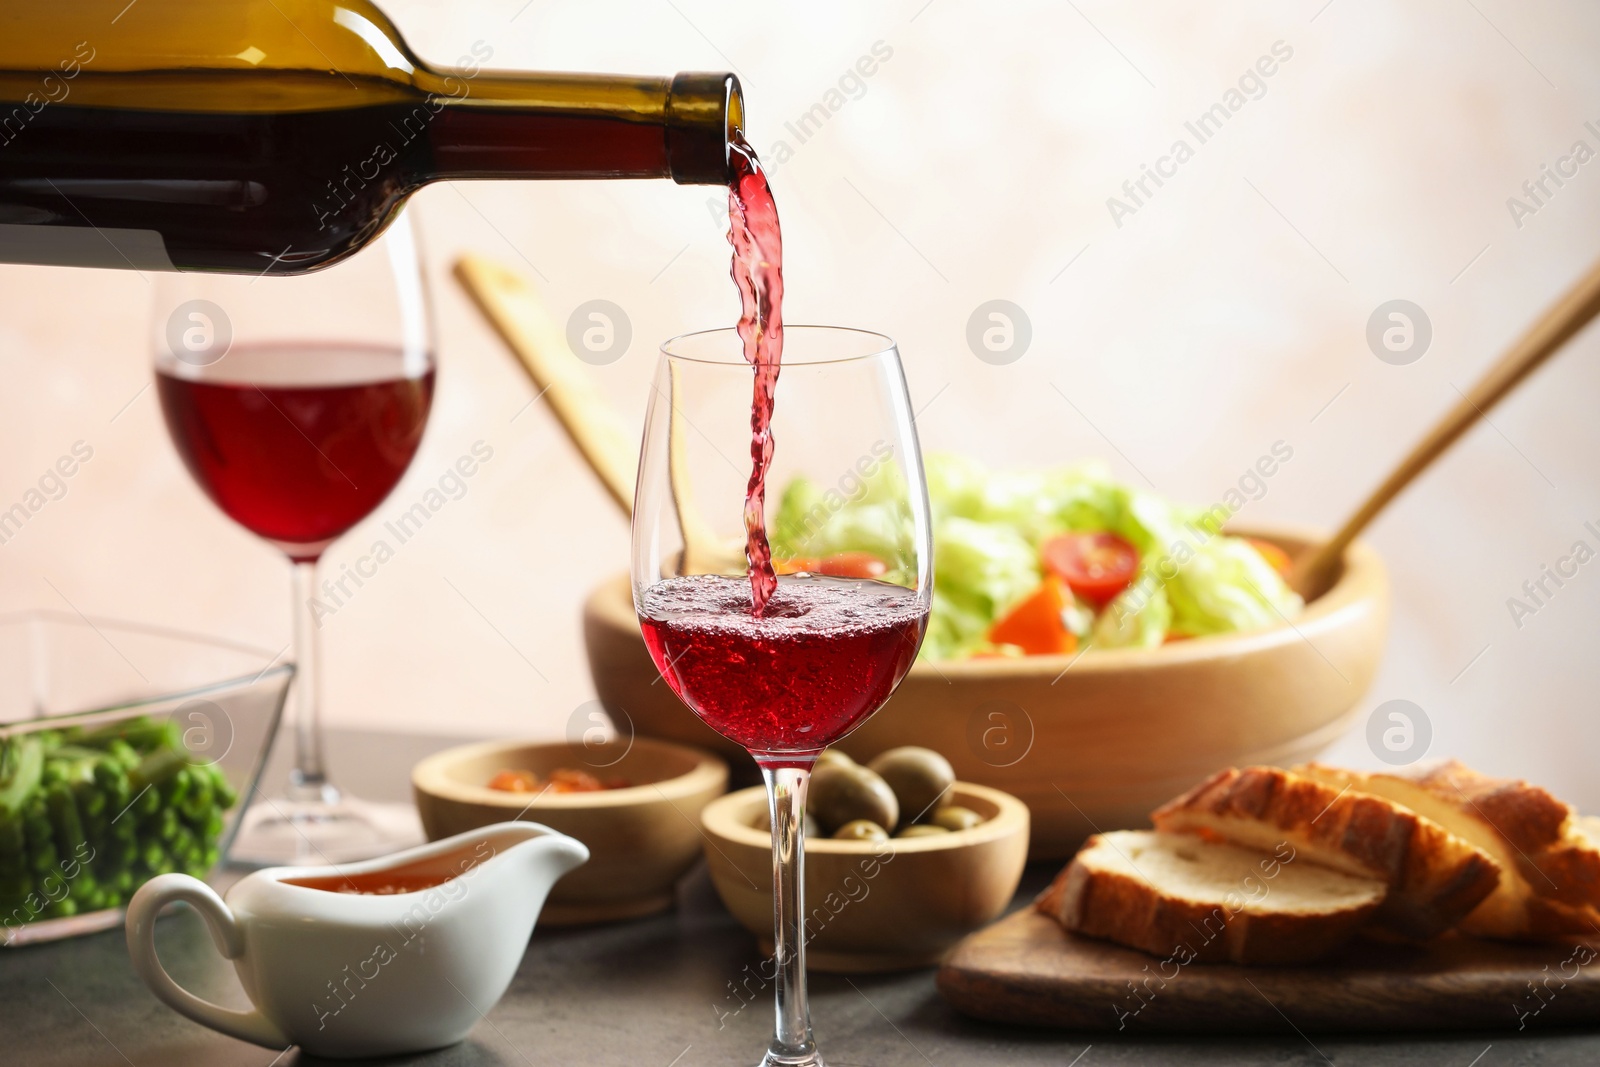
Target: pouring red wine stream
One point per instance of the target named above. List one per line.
(758, 272)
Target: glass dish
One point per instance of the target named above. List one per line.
(126, 750)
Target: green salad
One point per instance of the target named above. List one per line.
(88, 816)
(1043, 562)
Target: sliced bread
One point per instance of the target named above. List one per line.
(1188, 900)
(1550, 883)
(1570, 870)
(1435, 878)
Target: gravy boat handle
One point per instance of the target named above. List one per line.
(143, 909)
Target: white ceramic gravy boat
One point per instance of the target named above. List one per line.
(345, 975)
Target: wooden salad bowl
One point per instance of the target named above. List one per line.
(1092, 742)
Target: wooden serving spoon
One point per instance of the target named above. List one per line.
(602, 436)
(1315, 570)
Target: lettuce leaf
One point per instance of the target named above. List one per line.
(980, 570)
(815, 522)
(1138, 617)
(1228, 586)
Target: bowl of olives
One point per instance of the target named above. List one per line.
(902, 860)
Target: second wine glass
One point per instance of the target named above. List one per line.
(297, 404)
(840, 630)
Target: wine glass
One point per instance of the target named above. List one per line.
(297, 403)
(842, 628)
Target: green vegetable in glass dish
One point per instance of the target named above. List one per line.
(87, 816)
(1041, 562)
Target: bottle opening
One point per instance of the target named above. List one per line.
(703, 111)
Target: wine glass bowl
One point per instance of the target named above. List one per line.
(785, 676)
(849, 627)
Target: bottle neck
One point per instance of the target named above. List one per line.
(491, 124)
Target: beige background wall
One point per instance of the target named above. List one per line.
(975, 164)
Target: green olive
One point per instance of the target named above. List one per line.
(841, 793)
(954, 817)
(834, 756)
(920, 777)
(922, 830)
(861, 830)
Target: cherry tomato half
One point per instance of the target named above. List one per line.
(1096, 566)
(838, 565)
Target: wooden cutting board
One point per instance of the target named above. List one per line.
(1026, 969)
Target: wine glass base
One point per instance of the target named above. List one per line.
(316, 833)
(775, 1059)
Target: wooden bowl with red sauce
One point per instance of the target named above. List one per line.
(642, 832)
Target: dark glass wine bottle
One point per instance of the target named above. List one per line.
(278, 136)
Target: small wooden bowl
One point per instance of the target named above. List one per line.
(641, 839)
(1090, 742)
(875, 906)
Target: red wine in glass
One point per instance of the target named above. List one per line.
(298, 443)
(822, 656)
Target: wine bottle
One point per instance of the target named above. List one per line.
(279, 136)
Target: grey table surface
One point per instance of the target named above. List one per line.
(656, 993)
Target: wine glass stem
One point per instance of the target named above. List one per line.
(786, 801)
(308, 781)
